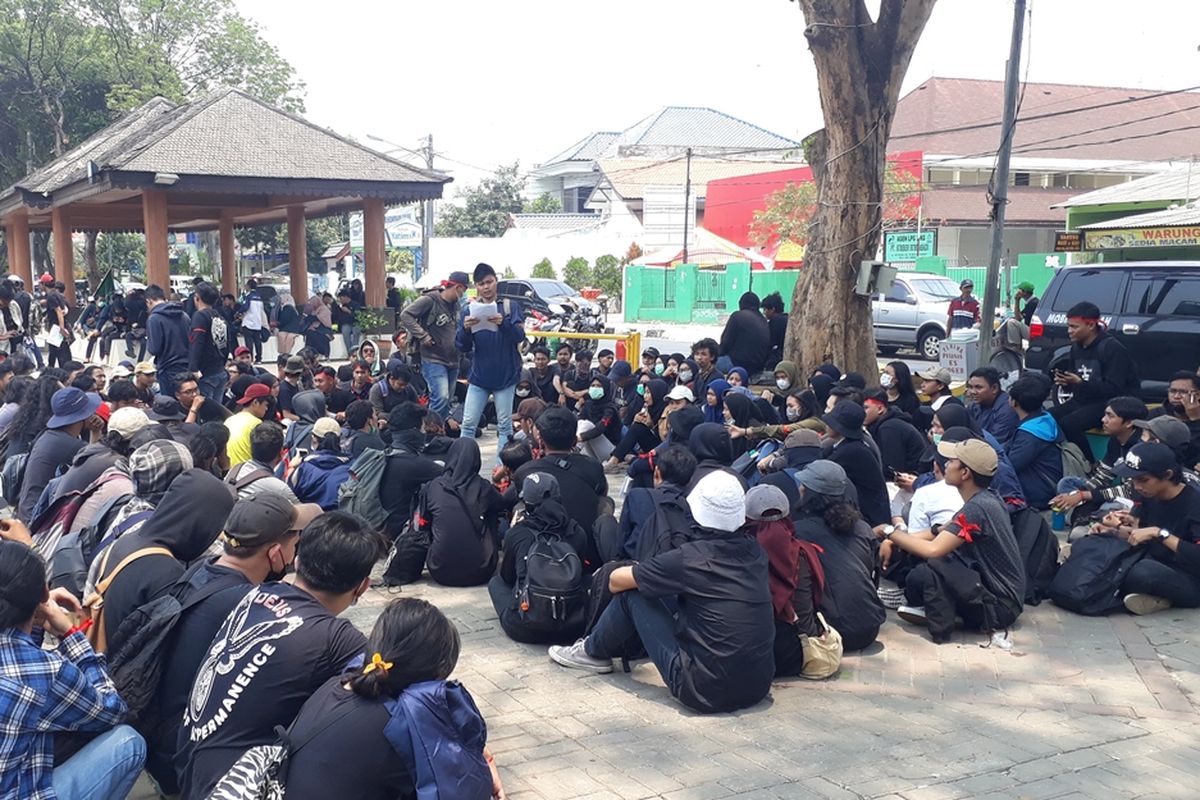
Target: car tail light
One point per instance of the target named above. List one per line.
(1037, 328)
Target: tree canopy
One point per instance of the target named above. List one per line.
(483, 210)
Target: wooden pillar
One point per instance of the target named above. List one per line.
(297, 254)
(154, 225)
(228, 247)
(64, 252)
(19, 261)
(373, 252)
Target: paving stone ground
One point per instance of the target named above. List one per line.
(1079, 708)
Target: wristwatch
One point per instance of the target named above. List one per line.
(888, 530)
(1164, 534)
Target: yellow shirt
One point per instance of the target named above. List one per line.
(240, 425)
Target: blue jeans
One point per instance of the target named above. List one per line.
(106, 767)
(351, 336)
(213, 386)
(1071, 483)
(441, 380)
(632, 614)
(477, 398)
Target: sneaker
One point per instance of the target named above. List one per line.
(575, 657)
(891, 596)
(912, 614)
(1145, 603)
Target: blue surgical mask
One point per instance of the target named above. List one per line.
(685, 375)
(937, 438)
(641, 388)
(597, 393)
(659, 369)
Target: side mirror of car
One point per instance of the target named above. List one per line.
(529, 292)
(912, 301)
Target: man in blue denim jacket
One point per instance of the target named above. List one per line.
(496, 361)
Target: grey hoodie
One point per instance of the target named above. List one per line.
(431, 316)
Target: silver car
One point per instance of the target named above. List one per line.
(913, 313)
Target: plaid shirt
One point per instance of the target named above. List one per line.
(41, 692)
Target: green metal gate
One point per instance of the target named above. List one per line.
(711, 288)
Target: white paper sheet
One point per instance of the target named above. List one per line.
(55, 337)
(481, 312)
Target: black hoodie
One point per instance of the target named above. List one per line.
(186, 522)
(747, 340)
(711, 445)
(463, 511)
(209, 342)
(603, 413)
(901, 445)
(167, 331)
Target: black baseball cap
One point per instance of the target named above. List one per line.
(1147, 458)
(265, 517)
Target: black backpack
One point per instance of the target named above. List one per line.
(552, 594)
(669, 526)
(1089, 581)
(136, 664)
(1039, 553)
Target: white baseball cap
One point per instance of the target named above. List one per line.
(681, 392)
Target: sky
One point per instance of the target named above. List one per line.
(520, 81)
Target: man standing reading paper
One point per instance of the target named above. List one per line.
(493, 340)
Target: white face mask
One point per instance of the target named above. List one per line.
(685, 376)
(886, 380)
(793, 414)
(782, 383)
(522, 393)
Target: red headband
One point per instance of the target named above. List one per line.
(876, 401)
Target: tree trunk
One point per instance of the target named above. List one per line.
(860, 65)
(89, 260)
(43, 262)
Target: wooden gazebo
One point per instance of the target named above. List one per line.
(213, 164)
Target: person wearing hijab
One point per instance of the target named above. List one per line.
(287, 322)
(740, 413)
(738, 377)
(687, 374)
(526, 388)
(317, 324)
(787, 383)
(710, 443)
(821, 385)
(186, 522)
(309, 406)
(834, 373)
(714, 401)
(643, 435)
(544, 515)
(680, 425)
(462, 511)
(599, 428)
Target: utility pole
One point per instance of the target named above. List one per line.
(687, 203)
(1000, 187)
(426, 217)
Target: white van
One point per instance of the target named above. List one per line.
(181, 285)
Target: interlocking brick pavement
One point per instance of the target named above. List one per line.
(1079, 708)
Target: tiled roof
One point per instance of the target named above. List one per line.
(1184, 215)
(589, 148)
(630, 176)
(554, 222)
(1146, 129)
(1027, 205)
(1172, 186)
(227, 134)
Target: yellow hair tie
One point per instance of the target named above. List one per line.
(377, 663)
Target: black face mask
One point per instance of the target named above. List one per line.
(1177, 409)
(275, 577)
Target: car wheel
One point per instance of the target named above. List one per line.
(929, 346)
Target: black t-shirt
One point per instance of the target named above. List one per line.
(581, 479)
(1181, 517)
(337, 401)
(1028, 310)
(545, 383)
(989, 546)
(51, 450)
(54, 301)
(286, 392)
(276, 648)
(211, 411)
(350, 751)
(403, 476)
(725, 626)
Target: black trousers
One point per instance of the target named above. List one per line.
(947, 587)
(639, 436)
(1151, 576)
(254, 342)
(58, 356)
(1076, 419)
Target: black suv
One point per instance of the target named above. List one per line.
(1151, 307)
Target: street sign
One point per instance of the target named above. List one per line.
(909, 245)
